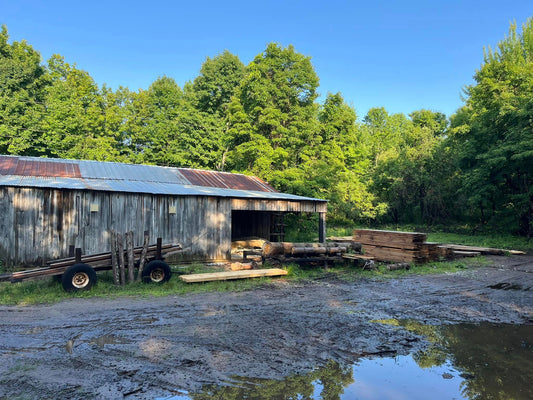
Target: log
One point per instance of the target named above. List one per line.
(276, 249)
(308, 250)
(114, 260)
(131, 260)
(237, 266)
(142, 259)
(396, 267)
(120, 249)
(248, 243)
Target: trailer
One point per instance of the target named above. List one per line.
(78, 272)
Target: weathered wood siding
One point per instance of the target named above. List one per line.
(40, 224)
(279, 205)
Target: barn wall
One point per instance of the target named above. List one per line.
(39, 224)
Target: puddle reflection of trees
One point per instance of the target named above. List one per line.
(495, 360)
(332, 380)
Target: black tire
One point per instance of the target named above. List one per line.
(78, 277)
(156, 271)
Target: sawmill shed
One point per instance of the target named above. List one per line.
(48, 205)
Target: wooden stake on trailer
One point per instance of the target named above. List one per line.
(158, 253)
(78, 255)
(114, 261)
(131, 260)
(120, 248)
(142, 260)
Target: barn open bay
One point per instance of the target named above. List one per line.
(185, 345)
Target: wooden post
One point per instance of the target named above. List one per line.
(114, 260)
(78, 255)
(71, 250)
(120, 248)
(131, 259)
(158, 252)
(142, 260)
(322, 227)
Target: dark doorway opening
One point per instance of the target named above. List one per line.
(266, 225)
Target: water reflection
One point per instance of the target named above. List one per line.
(465, 361)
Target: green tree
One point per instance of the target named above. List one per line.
(492, 134)
(22, 83)
(74, 125)
(218, 80)
(164, 128)
(273, 113)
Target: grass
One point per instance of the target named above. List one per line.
(49, 291)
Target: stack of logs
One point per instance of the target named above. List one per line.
(398, 246)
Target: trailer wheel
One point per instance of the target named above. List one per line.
(156, 271)
(78, 277)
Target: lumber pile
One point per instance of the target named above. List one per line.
(396, 246)
(412, 247)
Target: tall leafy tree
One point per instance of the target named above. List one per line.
(22, 83)
(75, 118)
(218, 80)
(276, 99)
(493, 134)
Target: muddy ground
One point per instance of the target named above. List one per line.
(155, 347)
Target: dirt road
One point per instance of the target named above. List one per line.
(155, 347)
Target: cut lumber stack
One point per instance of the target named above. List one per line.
(412, 247)
(396, 246)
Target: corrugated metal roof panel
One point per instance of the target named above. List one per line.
(127, 186)
(132, 178)
(225, 180)
(37, 167)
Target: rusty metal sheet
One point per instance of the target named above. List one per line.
(225, 180)
(23, 166)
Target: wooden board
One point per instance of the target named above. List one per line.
(401, 240)
(483, 250)
(222, 276)
(357, 257)
(462, 253)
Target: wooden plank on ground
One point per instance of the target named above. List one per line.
(227, 275)
(483, 250)
(462, 253)
(358, 257)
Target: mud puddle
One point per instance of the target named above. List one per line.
(463, 361)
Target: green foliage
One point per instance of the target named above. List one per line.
(492, 135)
(22, 81)
(264, 119)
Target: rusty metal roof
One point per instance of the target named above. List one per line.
(132, 178)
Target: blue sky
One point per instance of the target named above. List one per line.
(401, 55)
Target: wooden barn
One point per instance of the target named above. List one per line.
(47, 205)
